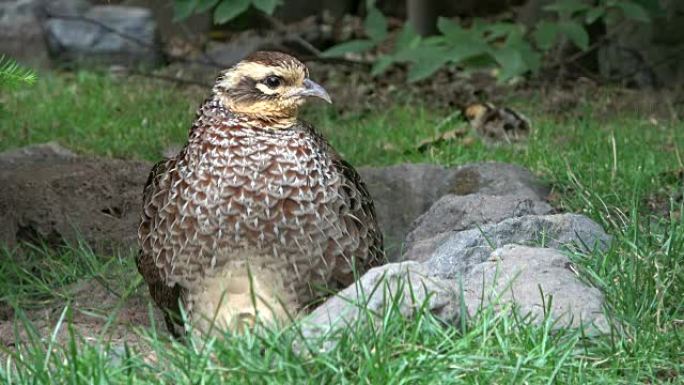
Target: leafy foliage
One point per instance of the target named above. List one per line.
(509, 48)
(12, 74)
(224, 10)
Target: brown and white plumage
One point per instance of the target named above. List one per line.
(257, 211)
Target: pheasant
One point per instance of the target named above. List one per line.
(257, 216)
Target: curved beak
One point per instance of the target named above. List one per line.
(312, 88)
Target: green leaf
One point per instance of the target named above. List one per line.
(426, 60)
(450, 29)
(529, 54)
(532, 58)
(182, 9)
(348, 47)
(633, 11)
(227, 10)
(421, 51)
(423, 68)
(654, 8)
(497, 30)
(594, 14)
(381, 65)
(568, 7)
(205, 5)
(511, 62)
(463, 43)
(375, 25)
(479, 26)
(407, 38)
(266, 6)
(466, 51)
(576, 33)
(433, 40)
(477, 63)
(545, 34)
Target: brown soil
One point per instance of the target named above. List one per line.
(97, 314)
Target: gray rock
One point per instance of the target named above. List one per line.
(53, 8)
(518, 275)
(511, 276)
(22, 33)
(406, 284)
(496, 178)
(404, 192)
(105, 35)
(196, 25)
(401, 194)
(458, 253)
(453, 213)
(22, 37)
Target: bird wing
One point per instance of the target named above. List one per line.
(363, 210)
(165, 296)
(359, 218)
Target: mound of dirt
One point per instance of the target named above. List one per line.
(48, 194)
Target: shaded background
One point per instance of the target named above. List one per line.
(629, 52)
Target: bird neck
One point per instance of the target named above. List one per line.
(260, 114)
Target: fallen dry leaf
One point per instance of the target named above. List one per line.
(497, 124)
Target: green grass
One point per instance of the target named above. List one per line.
(610, 169)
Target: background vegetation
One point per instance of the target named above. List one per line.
(508, 47)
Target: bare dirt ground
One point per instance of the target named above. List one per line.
(95, 312)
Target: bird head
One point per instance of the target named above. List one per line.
(267, 86)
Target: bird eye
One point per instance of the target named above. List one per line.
(272, 81)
